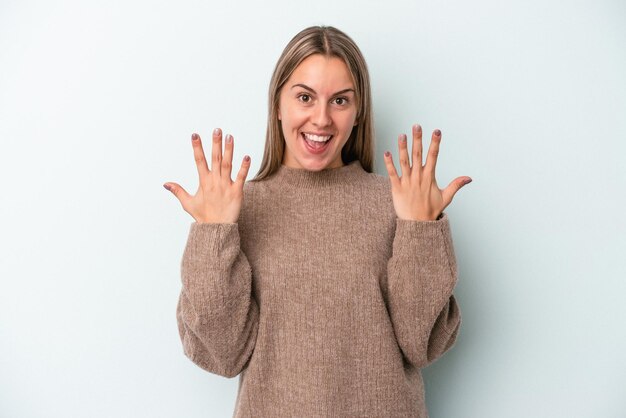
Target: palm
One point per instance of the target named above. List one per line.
(416, 195)
(218, 198)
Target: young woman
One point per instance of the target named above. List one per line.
(324, 286)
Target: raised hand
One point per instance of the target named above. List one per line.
(218, 199)
(416, 195)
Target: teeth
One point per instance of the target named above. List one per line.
(317, 138)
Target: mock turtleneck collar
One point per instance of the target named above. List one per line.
(304, 178)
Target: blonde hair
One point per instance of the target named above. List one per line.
(330, 42)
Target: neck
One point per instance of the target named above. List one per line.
(303, 178)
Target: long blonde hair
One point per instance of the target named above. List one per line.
(330, 42)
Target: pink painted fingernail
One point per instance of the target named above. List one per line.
(437, 132)
(229, 138)
(246, 158)
(217, 131)
(387, 153)
(194, 136)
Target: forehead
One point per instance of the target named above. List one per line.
(318, 72)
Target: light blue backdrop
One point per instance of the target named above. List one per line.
(97, 104)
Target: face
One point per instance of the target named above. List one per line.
(317, 110)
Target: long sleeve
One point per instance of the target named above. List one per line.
(217, 314)
(422, 273)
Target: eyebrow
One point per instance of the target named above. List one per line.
(304, 86)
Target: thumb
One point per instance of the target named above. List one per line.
(177, 191)
(454, 186)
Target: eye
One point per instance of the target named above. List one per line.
(304, 98)
(341, 101)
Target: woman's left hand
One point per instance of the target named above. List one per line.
(416, 195)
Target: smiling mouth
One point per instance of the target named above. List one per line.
(316, 143)
(316, 138)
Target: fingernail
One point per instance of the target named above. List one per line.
(403, 138)
(417, 127)
(217, 131)
(468, 181)
(437, 132)
(246, 158)
(387, 153)
(194, 136)
(167, 186)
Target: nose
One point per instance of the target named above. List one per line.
(321, 116)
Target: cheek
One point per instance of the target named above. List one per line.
(349, 121)
(282, 109)
(294, 118)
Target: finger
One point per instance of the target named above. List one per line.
(243, 171)
(417, 149)
(391, 170)
(178, 192)
(433, 153)
(198, 155)
(454, 186)
(405, 163)
(216, 151)
(227, 162)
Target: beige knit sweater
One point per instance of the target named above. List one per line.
(320, 299)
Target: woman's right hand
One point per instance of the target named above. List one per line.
(218, 199)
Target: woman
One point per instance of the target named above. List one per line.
(324, 286)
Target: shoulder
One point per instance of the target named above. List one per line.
(376, 189)
(248, 186)
(256, 193)
(378, 182)
(247, 204)
(254, 188)
(375, 202)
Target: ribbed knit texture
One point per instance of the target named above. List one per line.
(320, 299)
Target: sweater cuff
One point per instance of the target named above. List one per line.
(423, 228)
(426, 241)
(207, 240)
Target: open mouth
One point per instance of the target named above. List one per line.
(316, 143)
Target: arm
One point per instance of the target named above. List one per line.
(422, 273)
(422, 270)
(217, 315)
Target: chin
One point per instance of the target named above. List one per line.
(315, 165)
